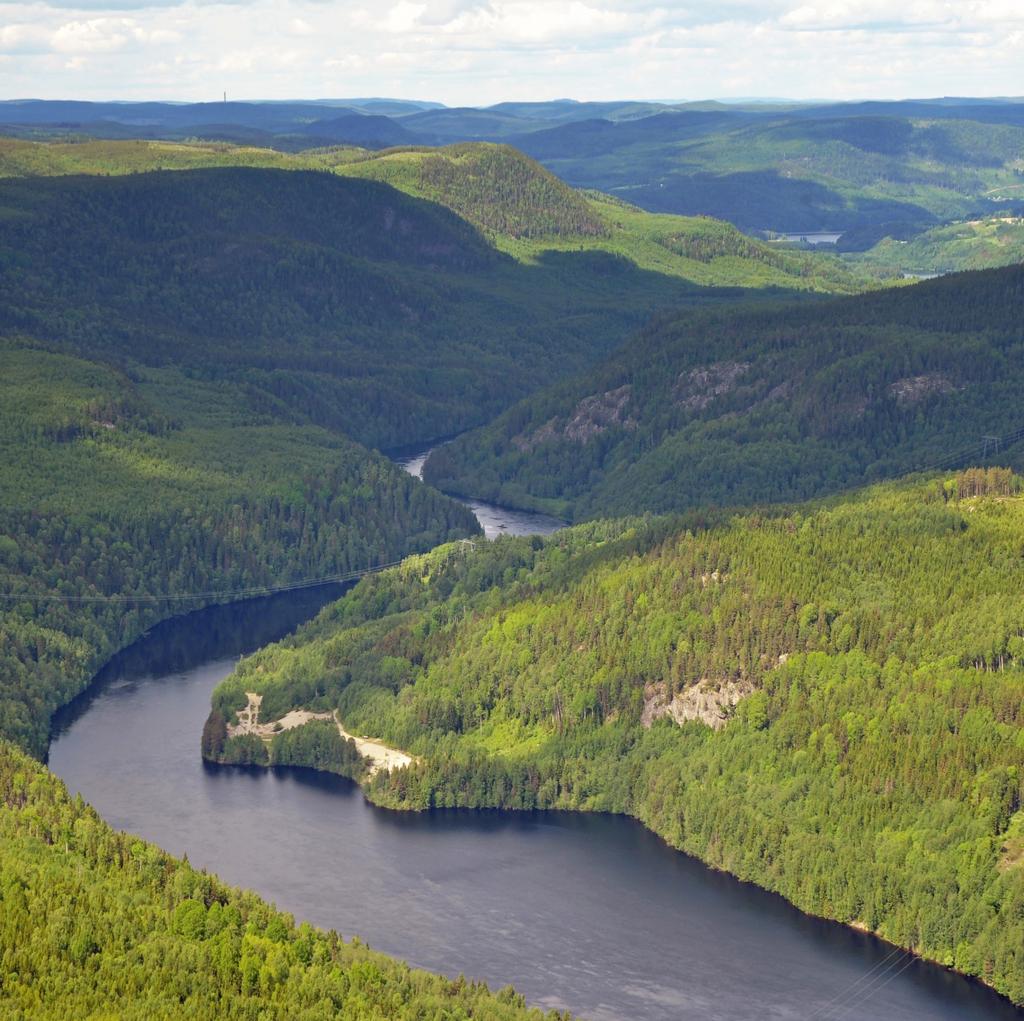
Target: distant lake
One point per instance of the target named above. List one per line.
(810, 237)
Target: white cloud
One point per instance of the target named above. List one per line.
(480, 51)
(97, 35)
(23, 38)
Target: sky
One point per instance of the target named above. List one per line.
(476, 52)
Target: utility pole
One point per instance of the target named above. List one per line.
(990, 441)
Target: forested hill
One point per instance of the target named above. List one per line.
(966, 244)
(99, 924)
(347, 301)
(742, 406)
(126, 501)
(527, 211)
(825, 700)
(522, 208)
(494, 186)
(842, 168)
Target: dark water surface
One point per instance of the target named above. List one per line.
(589, 913)
(494, 520)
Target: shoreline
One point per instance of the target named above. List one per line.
(381, 756)
(854, 925)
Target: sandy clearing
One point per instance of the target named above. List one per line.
(380, 755)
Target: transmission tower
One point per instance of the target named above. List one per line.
(990, 443)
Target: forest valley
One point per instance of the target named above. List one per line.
(755, 639)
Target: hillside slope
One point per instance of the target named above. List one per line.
(806, 170)
(520, 207)
(826, 701)
(95, 923)
(526, 211)
(354, 305)
(951, 248)
(493, 186)
(126, 503)
(774, 403)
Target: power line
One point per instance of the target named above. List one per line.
(986, 443)
(853, 988)
(874, 987)
(264, 590)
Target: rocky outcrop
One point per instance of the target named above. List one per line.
(914, 389)
(711, 702)
(696, 389)
(591, 417)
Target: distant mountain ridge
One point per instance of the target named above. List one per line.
(523, 209)
(762, 404)
(864, 168)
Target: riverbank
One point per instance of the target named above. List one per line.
(576, 910)
(379, 755)
(495, 520)
(471, 671)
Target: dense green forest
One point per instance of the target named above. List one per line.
(825, 700)
(493, 186)
(520, 207)
(99, 924)
(120, 508)
(743, 406)
(338, 301)
(966, 244)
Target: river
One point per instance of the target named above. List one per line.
(588, 913)
(494, 520)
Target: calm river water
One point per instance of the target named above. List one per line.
(588, 913)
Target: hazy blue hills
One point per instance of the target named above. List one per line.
(369, 131)
(867, 169)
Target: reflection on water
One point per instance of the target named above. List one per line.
(494, 520)
(178, 645)
(588, 913)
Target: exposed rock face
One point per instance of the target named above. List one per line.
(696, 389)
(596, 414)
(707, 701)
(591, 417)
(914, 389)
(782, 392)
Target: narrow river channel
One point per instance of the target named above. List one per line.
(587, 913)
